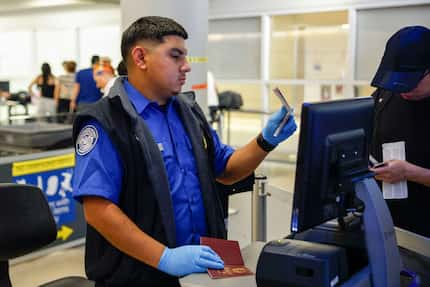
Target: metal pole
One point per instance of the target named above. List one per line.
(259, 209)
(219, 121)
(228, 127)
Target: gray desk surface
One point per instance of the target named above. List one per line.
(250, 256)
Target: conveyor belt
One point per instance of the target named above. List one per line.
(36, 135)
(5, 153)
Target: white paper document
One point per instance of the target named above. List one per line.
(395, 150)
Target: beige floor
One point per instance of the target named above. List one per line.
(31, 273)
(70, 262)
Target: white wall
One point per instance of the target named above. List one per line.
(376, 26)
(218, 8)
(28, 39)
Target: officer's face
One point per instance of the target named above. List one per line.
(167, 65)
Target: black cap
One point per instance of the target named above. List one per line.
(405, 61)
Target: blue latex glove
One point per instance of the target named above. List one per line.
(188, 259)
(273, 123)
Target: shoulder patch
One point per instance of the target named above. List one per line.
(87, 140)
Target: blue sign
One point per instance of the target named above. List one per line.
(57, 187)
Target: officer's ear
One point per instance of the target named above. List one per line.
(139, 54)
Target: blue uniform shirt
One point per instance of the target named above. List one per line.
(88, 91)
(98, 172)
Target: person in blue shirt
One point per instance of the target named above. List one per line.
(146, 165)
(85, 90)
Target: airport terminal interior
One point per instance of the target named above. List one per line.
(312, 52)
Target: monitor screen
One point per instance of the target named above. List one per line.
(326, 128)
(4, 86)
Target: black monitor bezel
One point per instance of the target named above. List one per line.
(309, 206)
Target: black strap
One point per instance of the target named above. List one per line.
(263, 144)
(382, 98)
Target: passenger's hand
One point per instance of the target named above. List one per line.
(420, 92)
(189, 259)
(394, 171)
(274, 122)
(413, 96)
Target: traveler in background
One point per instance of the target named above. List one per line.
(86, 91)
(64, 87)
(45, 83)
(4, 95)
(106, 61)
(104, 77)
(121, 70)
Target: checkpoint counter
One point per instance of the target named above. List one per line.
(251, 253)
(414, 249)
(250, 257)
(41, 154)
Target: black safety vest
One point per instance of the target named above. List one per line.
(396, 120)
(145, 194)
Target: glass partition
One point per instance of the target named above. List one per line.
(234, 48)
(375, 26)
(251, 93)
(309, 46)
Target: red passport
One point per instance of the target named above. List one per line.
(229, 251)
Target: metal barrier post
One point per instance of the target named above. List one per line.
(259, 209)
(220, 126)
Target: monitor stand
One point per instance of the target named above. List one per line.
(382, 251)
(378, 238)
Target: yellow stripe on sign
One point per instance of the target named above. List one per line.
(197, 59)
(44, 164)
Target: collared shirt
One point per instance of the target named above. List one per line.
(88, 91)
(98, 170)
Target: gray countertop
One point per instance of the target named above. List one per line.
(250, 256)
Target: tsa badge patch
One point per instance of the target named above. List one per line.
(87, 140)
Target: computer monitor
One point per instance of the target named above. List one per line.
(333, 144)
(4, 86)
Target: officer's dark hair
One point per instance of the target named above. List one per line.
(95, 59)
(152, 28)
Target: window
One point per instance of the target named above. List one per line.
(234, 48)
(309, 46)
(375, 26)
